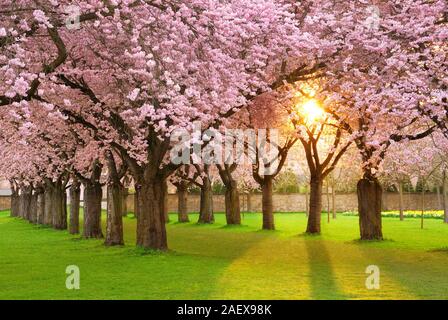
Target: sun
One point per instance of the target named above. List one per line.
(311, 110)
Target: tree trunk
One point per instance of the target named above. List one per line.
(165, 202)
(206, 206)
(232, 203)
(151, 229)
(400, 190)
(124, 201)
(57, 204)
(64, 207)
(93, 195)
(75, 196)
(314, 217)
(41, 207)
(369, 206)
(48, 212)
(20, 203)
(267, 204)
(445, 205)
(25, 202)
(328, 202)
(114, 229)
(423, 205)
(182, 207)
(333, 201)
(15, 203)
(33, 207)
(135, 202)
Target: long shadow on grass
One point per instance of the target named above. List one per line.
(322, 282)
(211, 250)
(200, 256)
(421, 273)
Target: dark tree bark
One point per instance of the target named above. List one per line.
(20, 203)
(151, 230)
(65, 207)
(15, 200)
(40, 206)
(25, 202)
(400, 191)
(439, 199)
(48, 211)
(165, 202)
(232, 196)
(206, 206)
(202, 180)
(249, 202)
(267, 203)
(182, 204)
(114, 226)
(135, 203)
(114, 222)
(33, 207)
(58, 203)
(124, 201)
(333, 201)
(444, 196)
(232, 203)
(422, 217)
(93, 195)
(369, 206)
(315, 214)
(21, 206)
(75, 196)
(328, 202)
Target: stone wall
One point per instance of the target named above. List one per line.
(5, 202)
(291, 202)
(297, 202)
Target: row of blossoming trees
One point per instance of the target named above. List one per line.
(92, 94)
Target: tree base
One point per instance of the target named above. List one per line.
(369, 206)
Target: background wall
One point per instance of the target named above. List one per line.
(297, 202)
(5, 202)
(289, 202)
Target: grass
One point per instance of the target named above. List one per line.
(219, 262)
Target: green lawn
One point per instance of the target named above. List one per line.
(219, 262)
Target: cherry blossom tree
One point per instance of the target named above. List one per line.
(268, 151)
(130, 73)
(376, 94)
(323, 141)
(182, 185)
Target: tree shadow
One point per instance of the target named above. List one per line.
(309, 236)
(420, 273)
(322, 278)
(370, 243)
(235, 228)
(440, 250)
(268, 232)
